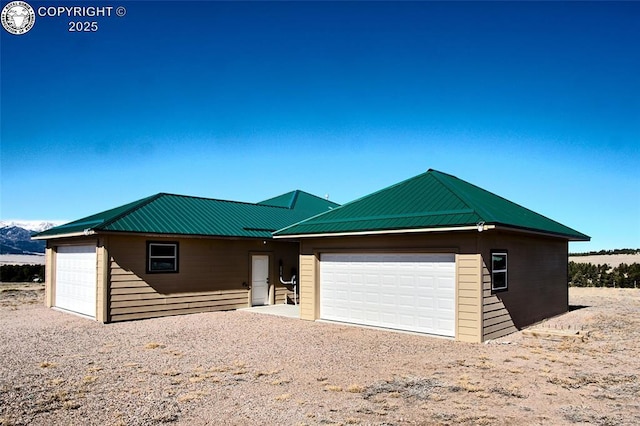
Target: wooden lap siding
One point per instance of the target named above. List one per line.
(496, 320)
(537, 282)
(284, 295)
(49, 276)
(469, 298)
(210, 278)
(309, 298)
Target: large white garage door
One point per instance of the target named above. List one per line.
(413, 292)
(76, 279)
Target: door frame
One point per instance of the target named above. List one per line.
(270, 283)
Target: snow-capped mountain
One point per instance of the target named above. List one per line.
(16, 240)
(15, 236)
(31, 225)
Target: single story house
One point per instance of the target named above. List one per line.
(433, 254)
(172, 254)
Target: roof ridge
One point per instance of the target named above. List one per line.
(294, 198)
(484, 215)
(489, 217)
(195, 197)
(137, 205)
(340, 206)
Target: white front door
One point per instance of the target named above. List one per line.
(259, 280)
(76, 279)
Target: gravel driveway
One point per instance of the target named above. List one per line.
(248, 368)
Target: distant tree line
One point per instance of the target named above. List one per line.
(590, 275)
(601, 252)
(21, 273)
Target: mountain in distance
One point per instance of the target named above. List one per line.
(15, 236)
(31, 225)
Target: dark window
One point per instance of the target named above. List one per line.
(162, 257)
(499, 280)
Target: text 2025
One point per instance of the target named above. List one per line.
(83, 26)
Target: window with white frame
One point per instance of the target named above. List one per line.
(499, 281)
(162, 257)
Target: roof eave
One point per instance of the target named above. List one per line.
(179, 235)
(569, 237)
(85, 233)
(385, 232)
(485, 227)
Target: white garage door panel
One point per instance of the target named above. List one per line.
(76, 279)
(413, 292)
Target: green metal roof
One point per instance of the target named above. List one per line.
(301, 201)
(431, 200)
(184, 215)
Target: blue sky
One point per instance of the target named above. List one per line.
(538, 102)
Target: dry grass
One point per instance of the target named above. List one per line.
(355, 389)
(283, 397)
(333, 388)
(267, 373)
(465, 384)
(190, 396)
(89, 379)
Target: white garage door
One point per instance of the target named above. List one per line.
(413, 292)
(76, 279)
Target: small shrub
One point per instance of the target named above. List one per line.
(333, 388)
(355, 389)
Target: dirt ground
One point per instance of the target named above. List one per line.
(248, 368)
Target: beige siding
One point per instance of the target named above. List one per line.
(309, 288)
(102, 296)
(430, 243)
(49, 268)
(469, 298)
(214, 275)
(497, 320)
(537, 276)
(285, 295)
